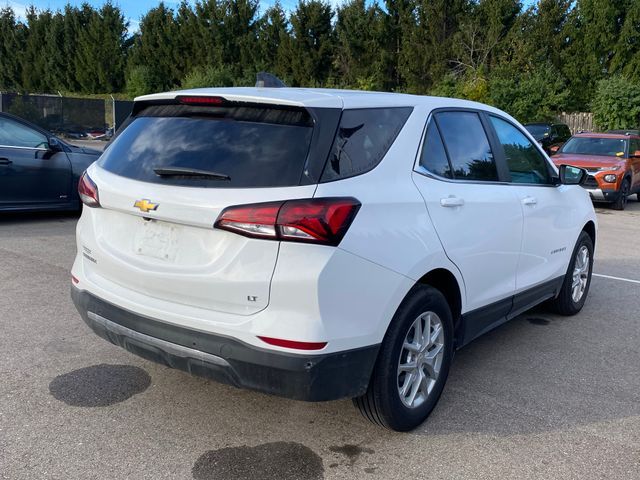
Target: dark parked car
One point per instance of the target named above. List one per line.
(38, 171)
(550, 135)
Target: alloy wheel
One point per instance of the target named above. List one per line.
(580, 274)
(420, 359)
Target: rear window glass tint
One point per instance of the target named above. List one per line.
(434, 157)
(363, 138)
(255, 147)
(468, 146)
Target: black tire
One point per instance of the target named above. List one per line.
(564, 303)
(621, 201)
(382, 404)
(638, 196)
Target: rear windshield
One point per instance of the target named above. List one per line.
(247, 146)
(595, 146)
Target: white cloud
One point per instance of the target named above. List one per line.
(18, 8)
(134, 26)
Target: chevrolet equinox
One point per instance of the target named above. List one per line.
(322, 244)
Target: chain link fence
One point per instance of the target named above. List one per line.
(68, 116)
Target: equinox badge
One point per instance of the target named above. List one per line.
(145, 205)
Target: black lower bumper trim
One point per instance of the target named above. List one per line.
(226, 360)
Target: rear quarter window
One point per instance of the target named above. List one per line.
(362, 140)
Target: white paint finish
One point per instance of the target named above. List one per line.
(482, 237)
(345, 296)
(204, 267)
(551, 228)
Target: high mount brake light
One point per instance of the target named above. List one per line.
(322, 221)
(197, 100)
(88, 191)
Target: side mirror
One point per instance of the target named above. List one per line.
(55, 145)
(554, 149)
(570, 175)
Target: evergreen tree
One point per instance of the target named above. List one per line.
(427, 47)
(274, 43)
(156, 48)
(12, 35)
(100, 57)
(592, 32)
(360, 36)
(312, 43)
(33, 59)
(626, 58)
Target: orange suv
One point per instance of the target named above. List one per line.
(612, 161)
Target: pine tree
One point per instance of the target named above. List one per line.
(592, 32)
(360, 31)
(100, 58)
(427, 47)
(12, 35)
(626, 58)
(274, 43)
(312, 43)
(156, 49)
(34, 64)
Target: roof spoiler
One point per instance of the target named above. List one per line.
(267, 80)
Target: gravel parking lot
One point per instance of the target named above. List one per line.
(540, 397)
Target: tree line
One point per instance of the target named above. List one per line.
(529, 60)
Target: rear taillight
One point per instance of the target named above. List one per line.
(88, 191)
(318, 220)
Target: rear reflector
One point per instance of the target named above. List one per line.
(75, 280)
(278, 342)
(88, 191)
(197, 100)
(317, 220)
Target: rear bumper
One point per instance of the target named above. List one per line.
(317, 377)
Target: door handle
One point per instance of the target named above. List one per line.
(5, 161)
(452, 202)
(529, 201)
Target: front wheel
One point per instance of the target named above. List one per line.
(577, 280)
(413, 362)
(621, 201)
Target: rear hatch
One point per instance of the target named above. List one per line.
(169, 174)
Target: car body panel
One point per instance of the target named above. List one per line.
(41, 178)
(224, 284)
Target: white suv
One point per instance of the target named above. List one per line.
(321, 244)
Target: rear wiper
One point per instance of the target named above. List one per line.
(189, 173)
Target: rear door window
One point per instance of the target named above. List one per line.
(252, 146)
(363, 139)
(468, 147)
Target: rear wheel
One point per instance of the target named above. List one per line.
(413, 363)
(621, 201)
(576, 283)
